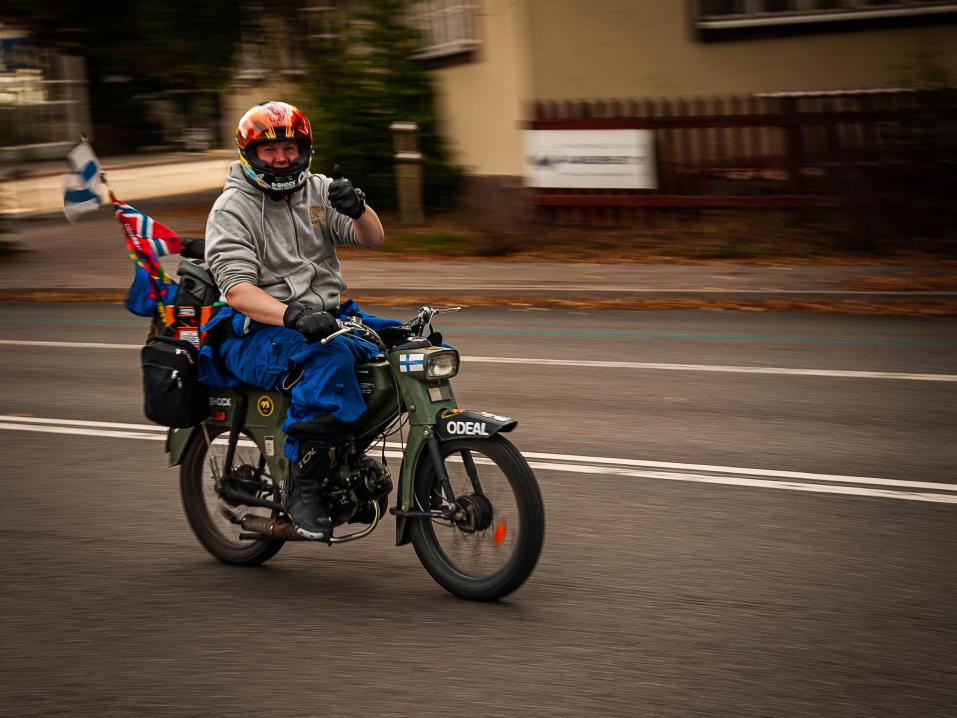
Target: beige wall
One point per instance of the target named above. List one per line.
(640, 48)
(569, 49)
(481, 102)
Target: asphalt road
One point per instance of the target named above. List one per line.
(804, 566)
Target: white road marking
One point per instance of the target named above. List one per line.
(590, 289)
(745, 471)
(654, 366)
(69, 345)
(715, 368)
(11, 426)
(79, 422)
(766, 484)
(571, 463)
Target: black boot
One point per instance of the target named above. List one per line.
(307, 509)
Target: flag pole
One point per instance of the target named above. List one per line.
(86, 140)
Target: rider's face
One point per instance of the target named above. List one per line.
(280, 153)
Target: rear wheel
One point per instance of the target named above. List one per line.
(201, 479)
(492, 543)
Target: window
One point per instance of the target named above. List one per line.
(719, 14)
(448, 27)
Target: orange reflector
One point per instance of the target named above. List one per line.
(217, 415)
(499, 536)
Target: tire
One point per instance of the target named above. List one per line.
(203, 505)
(490, 560)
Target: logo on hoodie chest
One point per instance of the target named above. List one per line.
(317, 215)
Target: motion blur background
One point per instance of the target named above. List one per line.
(767, 127)
(749, 513)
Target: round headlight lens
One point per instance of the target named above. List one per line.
(442, 365)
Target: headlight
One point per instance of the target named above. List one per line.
(442, 365)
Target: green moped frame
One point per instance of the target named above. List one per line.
(384, 385)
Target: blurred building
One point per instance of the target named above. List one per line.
(500, 64)
(43, 98)
(493, 58)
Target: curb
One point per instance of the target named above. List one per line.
(912, 306)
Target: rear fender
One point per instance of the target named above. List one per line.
(176, 442)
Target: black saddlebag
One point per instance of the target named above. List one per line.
(172, 392)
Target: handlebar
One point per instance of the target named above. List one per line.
(424, 317)
(416, 325)
(346, 328)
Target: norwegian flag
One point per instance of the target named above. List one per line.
(147, 240)
(159, 238)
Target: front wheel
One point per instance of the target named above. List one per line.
(492, 543)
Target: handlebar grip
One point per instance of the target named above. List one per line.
(344, 330)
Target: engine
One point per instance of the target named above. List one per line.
(350, 494)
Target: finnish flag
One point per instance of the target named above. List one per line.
(81, 189)
(411, 362)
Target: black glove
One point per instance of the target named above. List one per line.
(193, 248)
(344, 198)
(313, 325)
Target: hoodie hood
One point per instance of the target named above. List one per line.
(236, 179)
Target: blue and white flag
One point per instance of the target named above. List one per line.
(411, 362)
(81, 189)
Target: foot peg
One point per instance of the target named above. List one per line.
(321, 530)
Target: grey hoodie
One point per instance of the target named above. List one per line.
(287, 249)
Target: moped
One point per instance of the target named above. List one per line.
(466, 498)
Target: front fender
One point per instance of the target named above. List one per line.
(449, 424)
(460, 423)
(415, 452)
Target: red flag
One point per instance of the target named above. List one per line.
(147, 240)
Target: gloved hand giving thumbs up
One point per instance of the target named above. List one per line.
(344, 198)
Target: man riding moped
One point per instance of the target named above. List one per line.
(271, 242)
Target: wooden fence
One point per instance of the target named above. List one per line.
(739, 152)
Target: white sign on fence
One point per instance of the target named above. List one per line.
(590, 159)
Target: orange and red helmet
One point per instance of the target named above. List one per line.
(268, 122)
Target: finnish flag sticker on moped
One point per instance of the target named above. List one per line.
(411, 362)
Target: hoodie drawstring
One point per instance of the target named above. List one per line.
(262, 215)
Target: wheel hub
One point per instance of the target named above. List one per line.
(243, 478)
(478, 513)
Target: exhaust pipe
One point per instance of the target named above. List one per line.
(277, 528)
(266, 526)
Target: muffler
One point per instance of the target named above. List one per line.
(267, 526)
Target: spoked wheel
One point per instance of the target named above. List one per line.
(491, 544)
(202, 475)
